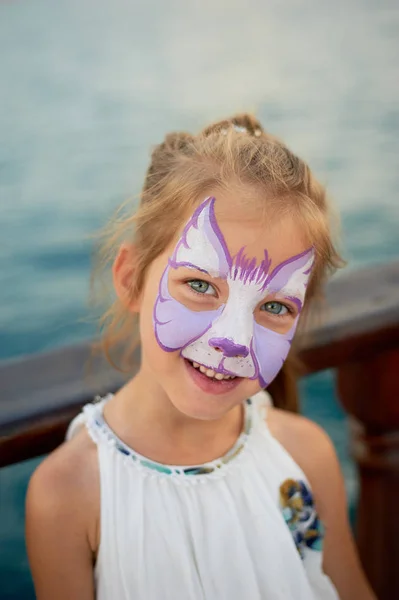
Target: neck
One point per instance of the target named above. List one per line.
(154, 426)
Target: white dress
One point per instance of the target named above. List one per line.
(239, 528)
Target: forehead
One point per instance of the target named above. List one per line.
(244, 223)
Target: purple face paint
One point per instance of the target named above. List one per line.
(270, 350)
(228, 347)
(290, 273)
(229, 340)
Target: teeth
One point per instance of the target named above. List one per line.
(211, 373)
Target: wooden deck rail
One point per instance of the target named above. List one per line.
(359, 338)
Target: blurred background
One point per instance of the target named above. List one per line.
(87, 86)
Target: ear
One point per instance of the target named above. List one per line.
(123, 273)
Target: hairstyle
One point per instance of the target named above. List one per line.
(182, 170)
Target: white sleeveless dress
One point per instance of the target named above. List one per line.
(242, 527)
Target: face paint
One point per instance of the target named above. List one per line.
(229, 340)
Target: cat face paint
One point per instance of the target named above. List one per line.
(228, 339)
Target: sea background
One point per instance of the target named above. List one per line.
(88, 86)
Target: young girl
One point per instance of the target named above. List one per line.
(192, 482)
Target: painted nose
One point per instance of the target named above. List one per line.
(228, 347)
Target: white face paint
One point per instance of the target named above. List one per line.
(228, 340)
(202, 246)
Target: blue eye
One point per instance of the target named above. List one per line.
(275, 308)
(202, 287)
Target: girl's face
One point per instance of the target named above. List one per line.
(220, 306)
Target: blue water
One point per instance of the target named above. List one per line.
(88, 86)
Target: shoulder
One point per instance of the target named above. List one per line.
(299, 436)
(313, 451)
(64, 490)
(61, 505)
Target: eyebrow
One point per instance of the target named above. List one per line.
(296, 301)
(189, 265)
(287, 295)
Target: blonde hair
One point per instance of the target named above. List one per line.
(235, 151)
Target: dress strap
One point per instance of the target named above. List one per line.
(261, 401)
(84, 418)
(75, 426)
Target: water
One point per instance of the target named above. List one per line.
(88, 86)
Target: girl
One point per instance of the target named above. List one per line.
(188, 483)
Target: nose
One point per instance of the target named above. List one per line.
(228, 347)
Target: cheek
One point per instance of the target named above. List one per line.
(160, 363)
(282, 325)
(270, 351)
(147, 334)
(176, 326)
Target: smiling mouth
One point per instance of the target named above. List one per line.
(211, 373)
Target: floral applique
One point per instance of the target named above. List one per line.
(296, 502)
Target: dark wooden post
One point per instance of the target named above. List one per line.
(369, 391)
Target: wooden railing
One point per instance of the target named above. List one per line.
(359, 337)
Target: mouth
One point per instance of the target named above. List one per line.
(218, 374)
(214, 381)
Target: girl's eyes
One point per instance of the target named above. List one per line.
(201, 287)
(275, 308)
